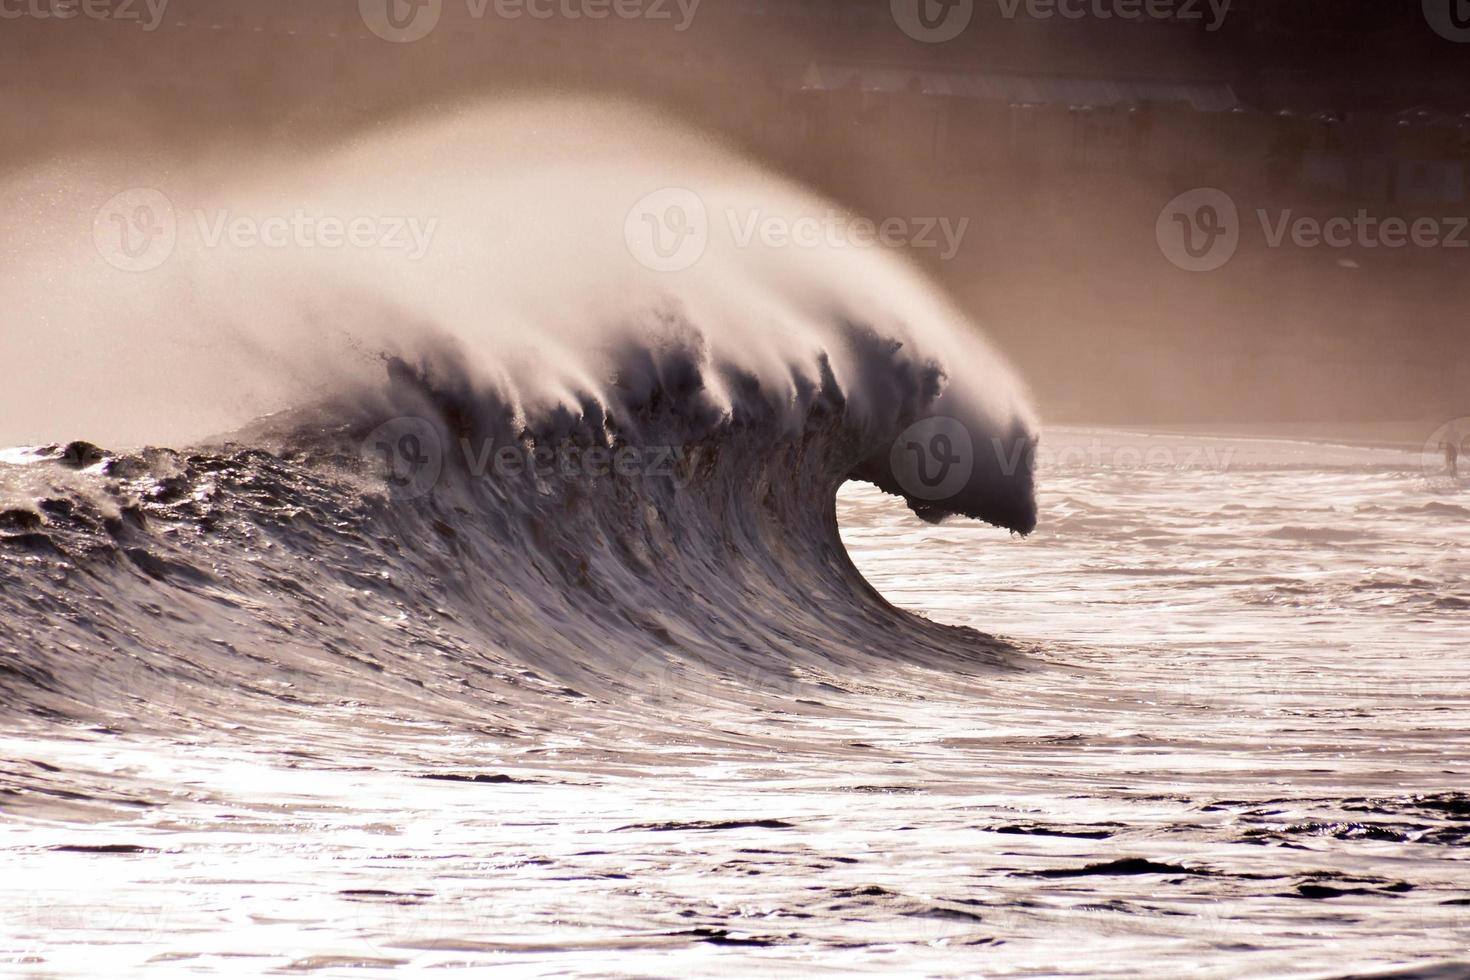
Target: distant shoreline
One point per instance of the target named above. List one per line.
(1409, 436)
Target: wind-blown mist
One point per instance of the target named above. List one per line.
(505, 230)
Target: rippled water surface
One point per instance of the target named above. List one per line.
(1231, 739)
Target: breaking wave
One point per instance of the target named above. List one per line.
(524, 467)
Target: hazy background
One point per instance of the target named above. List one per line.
(1060, 138)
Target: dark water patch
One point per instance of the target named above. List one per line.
(407, 898)
(709, 825)
(1272, 841)
(1321, 885)
(1122, 866)
(165, 569)
(1036, 830)
(1446, 970)
(79, 455)
(944, 912)
(864, 891)
(724, 937)
(62, 509)
(35, 542)
(750, 868)
(1316, 891)
(17, 520)
(168, 490)
(499, 778)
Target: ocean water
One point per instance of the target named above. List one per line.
(264, 718)
(573, 595)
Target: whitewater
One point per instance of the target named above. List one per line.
(538, 597)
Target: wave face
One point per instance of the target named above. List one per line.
(524, 463)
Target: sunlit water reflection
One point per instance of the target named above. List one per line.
(1236, 745)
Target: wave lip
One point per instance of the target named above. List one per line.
(942, 469)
